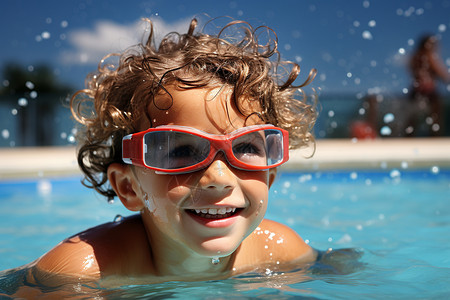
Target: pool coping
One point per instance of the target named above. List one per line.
(330, 154)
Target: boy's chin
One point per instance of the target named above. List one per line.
(217, 248)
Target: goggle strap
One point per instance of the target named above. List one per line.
(131, 150)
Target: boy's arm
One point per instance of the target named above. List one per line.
(108, 249)
(72, 258)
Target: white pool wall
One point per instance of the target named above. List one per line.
(330, 154)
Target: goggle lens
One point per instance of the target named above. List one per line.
(263, 148)
(174, 150)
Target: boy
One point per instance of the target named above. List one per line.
(189, 135)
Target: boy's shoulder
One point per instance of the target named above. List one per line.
(110, 248)
(273, 243)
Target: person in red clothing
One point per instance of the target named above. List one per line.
(426, 68)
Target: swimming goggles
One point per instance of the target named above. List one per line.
(177, 149)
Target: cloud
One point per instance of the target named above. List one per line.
(91, 45)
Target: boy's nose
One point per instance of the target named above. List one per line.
(218, 175)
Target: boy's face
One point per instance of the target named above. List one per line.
(170, 201)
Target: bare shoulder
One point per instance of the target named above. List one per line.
(110, 248)
(277, 244)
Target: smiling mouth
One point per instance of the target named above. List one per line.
(214, 213)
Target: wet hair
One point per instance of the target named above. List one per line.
(116, 98)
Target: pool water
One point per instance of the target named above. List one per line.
(389, 228)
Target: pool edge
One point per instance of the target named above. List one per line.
(330, 154)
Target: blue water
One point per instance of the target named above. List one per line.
(394, 225)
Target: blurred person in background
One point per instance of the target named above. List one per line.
(426, 106)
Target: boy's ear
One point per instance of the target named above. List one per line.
(272, 176)
(124, 183)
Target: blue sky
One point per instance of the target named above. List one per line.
(358, 46)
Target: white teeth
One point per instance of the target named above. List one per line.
(222, 211)
(215, 211)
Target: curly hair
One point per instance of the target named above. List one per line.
(115, 98)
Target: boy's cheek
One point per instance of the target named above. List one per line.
(179, 186)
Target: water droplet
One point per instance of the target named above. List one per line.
(45, 35)
(44, 187)
(435, 169)
(435, 127)
(388, 118)
(5, 133)
(118, 219)
(409, 130)
(22, 102)
(215, 260)
(395, 173)
(29, 85)
(367, 35)
(385, 130)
